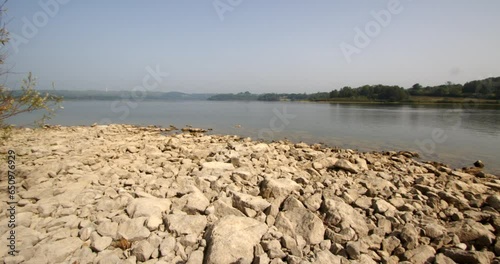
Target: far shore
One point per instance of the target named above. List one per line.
(421, 101)
(430, 102)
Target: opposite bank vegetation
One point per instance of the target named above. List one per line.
(480, 91)
(486, 91)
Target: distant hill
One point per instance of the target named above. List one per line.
(485, 89)
(113, 95)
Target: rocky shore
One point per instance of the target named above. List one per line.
(125, 194)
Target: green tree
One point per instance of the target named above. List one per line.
(496, 87)
(455, 90)
(366, 90)
(393, 94)
(416, 89)
(269, 97)
(319, 96)
(27, 99)
(334, 94)
(417, 86)
(346, 92)
(486, 87)
(470, 87)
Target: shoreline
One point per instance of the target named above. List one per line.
(416, 103)
(438, 102)
(129, 193)
(173, 130)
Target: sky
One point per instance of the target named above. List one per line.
(251, 45)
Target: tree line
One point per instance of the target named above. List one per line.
(485, 89)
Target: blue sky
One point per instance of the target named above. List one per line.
(259, 46)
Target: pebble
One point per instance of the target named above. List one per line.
(121, 193)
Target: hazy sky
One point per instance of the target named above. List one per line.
(254, 45)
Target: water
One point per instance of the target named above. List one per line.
(453, 135)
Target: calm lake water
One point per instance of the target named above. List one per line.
(456, 135)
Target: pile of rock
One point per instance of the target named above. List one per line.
(124, 194)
